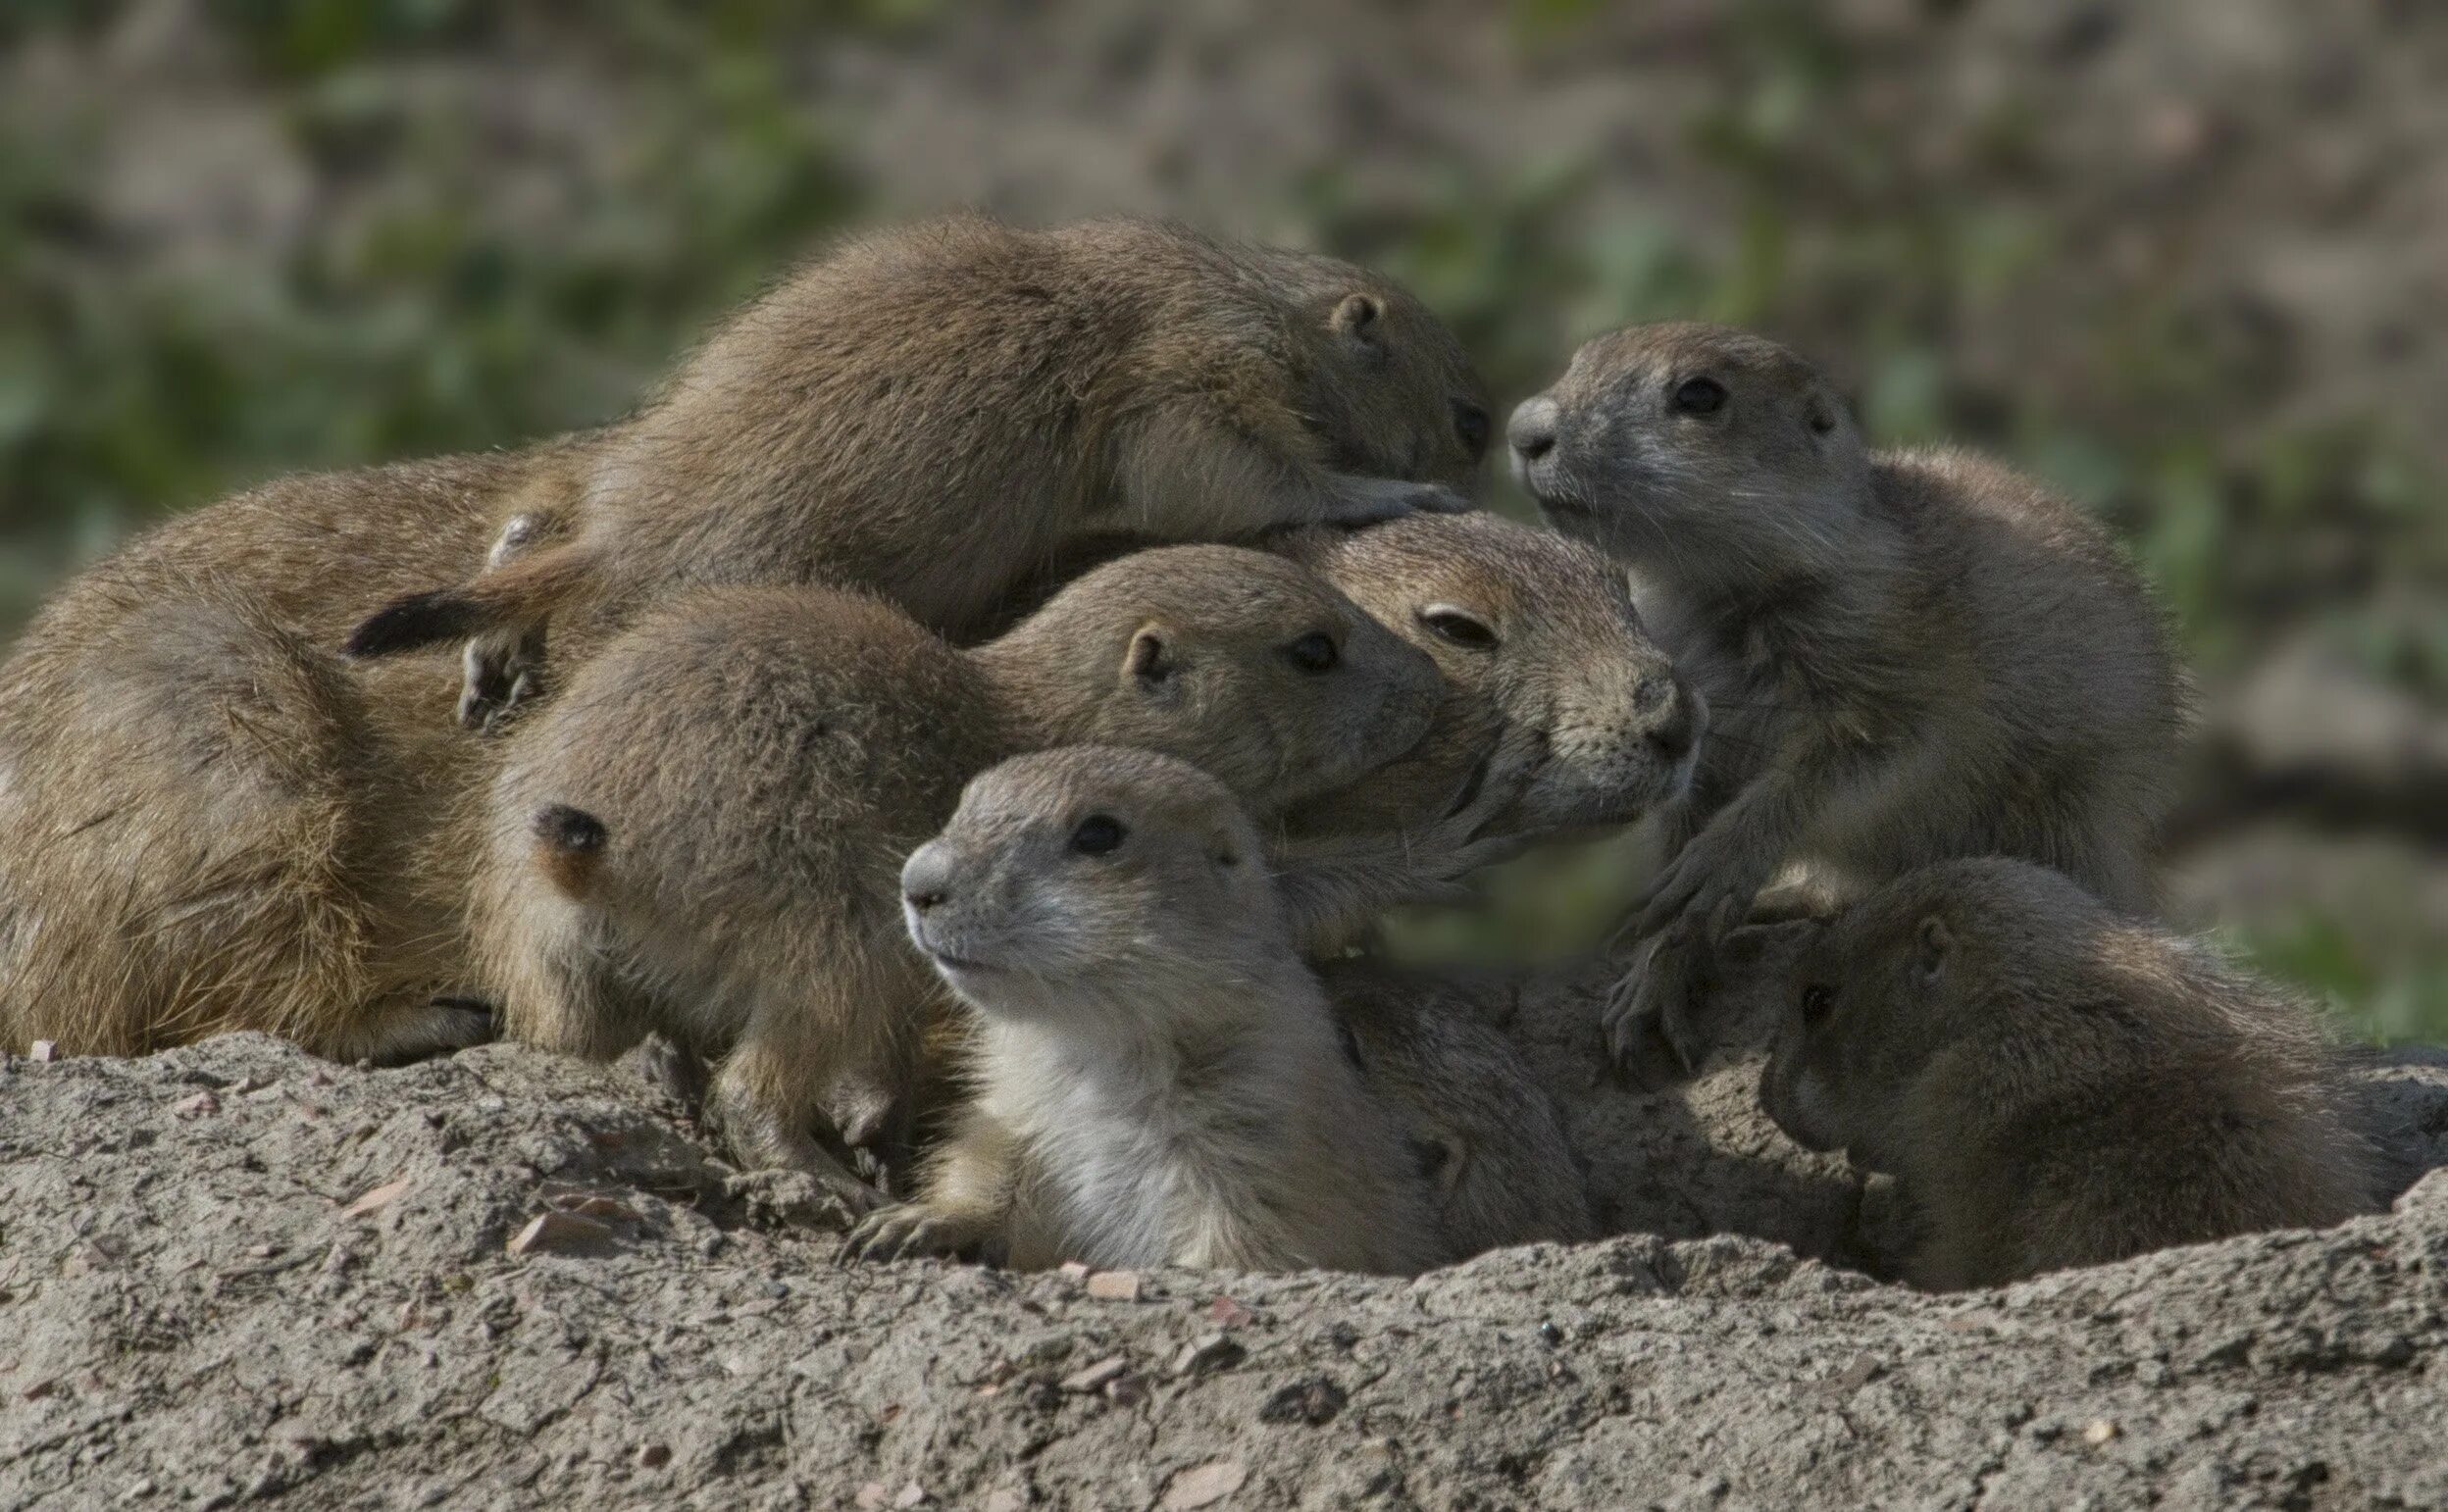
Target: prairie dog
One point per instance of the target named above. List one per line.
(2054, 1083)
(702, 834)
(934, 413)
(1488, 1138)
(1908, 656)
(1561, 714)
(1160, 1080)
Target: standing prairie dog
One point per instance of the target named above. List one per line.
(1162, 1081)
(702, 834)
(1908, 656)
(2054, 1083)
(1561, 715)
(935, 412)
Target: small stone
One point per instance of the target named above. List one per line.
(559, 1232)
(1204, 1485)
(263, 1251)
(377, 1198)
(871, 1497)
(1072, 1270)
(43, 1051)
(1006, 1500)
(2098, 1432)
(601, 1207)
(1207, 1354)
(912, 1495)
(1114, 1286)
(1128, 1389)
(1313, 1401)
(197, 1106)
(1094, 1378)
(653, 1456)
(1226, 1313)
(317, 1078)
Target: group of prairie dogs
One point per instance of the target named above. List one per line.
(967, 699)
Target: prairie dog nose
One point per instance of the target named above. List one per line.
(927, 877)
(1679, 727)
(1531, 432)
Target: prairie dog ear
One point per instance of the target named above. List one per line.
(1355, 321)
(1149, 661)
(1932, 944)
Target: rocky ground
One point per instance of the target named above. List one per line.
(234, 1274)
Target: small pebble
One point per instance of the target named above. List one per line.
(1095, 1377)
(1205, 1486)
(42, 1053)
(2098, 1432)
(653, 1456)
(559, 1232)
(1114, 1286)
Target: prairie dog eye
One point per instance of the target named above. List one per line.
(1817, 1001)
(1700, 396)
(1315, 652)
(1099, 835)
(1470, 426)
(1457, 625)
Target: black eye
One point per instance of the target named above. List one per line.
(1817, 1000)
(1700, 396)
(1448, 623)
(1098, 834)
(1470, 422)
(1313, 652)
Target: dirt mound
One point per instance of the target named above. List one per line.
(232, 1273)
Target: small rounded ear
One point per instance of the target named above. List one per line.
(1932, 944)
(1149, 660)
(1356, 319)
(1443, 1157)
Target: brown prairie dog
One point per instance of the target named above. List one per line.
(1160, 1080)
(702, 834)
(1908, 656)
(936, 412)
(1561, 715)
(2055, 1084)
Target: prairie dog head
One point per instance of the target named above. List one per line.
(1701, 449)
(1253, 668)
(1391, 391)
(1090, 884)
(1927, 968)
(1530, 632)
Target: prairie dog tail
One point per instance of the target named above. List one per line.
(569, 848)
(524, 592)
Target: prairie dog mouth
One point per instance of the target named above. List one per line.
(1471, 785)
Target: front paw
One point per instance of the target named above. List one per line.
(1651, 1027)
(913, 1231)
(499, 676)
(1710, 883)
(1370, 500)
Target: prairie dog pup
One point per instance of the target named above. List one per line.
(1908, 656)
(703, 833)
(1161, 1079)
(932, 413)
(1559, 712)
(1488, 1138)
(2052, 1084)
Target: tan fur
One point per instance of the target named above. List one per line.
(1907, 656)
(1489, 1138)
(763, 759)
(2054, 1083)
(1162, 1081)
(935, 412)
(926, 413)
(1561, 715)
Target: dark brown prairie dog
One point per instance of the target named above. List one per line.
(702, 834)
(935, 412)
(1160, 1080)
(2054, 1083)
(1559, 712)
(1488, 1138)
(1908, 656)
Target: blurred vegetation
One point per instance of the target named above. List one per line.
(404, 311)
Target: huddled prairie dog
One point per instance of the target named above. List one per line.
(1561, 714)
(1908, 656)
(1488, 1138)
(187, 843)
(2055, 1084)
(1160, 1080)
(702, 834)
(935, 412)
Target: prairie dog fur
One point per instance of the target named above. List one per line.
(2054, 1083)
(1561, 714)
(1908, 656)
(702, 834)
(934, 413)
(1162, 1081)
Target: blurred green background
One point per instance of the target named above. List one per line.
(2186, 261)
